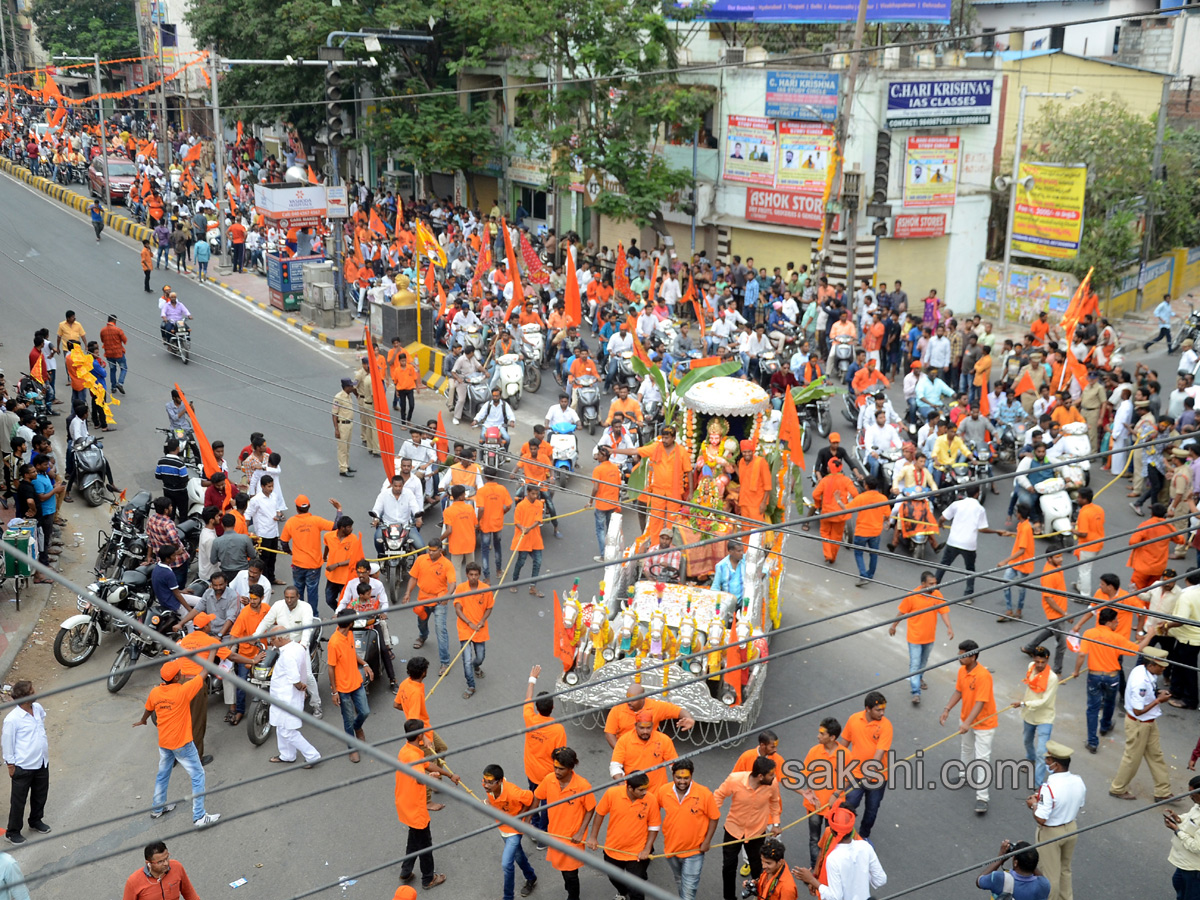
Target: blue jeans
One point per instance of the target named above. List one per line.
(537, 563)
(686, 870)
(243, 671)
(872, 543)
(354, 709)
(918, 659)
(1036, 737)
(164, 256)
(541, 818)
(513, 856)
(472, 659)
(190, 760)
(490, 541)
(309, 579)
(443, 636)
(870, 810)
(333, 591)
(1187, 884)
(603, 517)
(202, 269)
(1030, 501)
(1101, 691)
(116, 370)
(1011, 574)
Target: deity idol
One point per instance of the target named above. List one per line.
(715, 462)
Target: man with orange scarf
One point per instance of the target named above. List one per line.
(831, 495)
(847, 866)
(1037, 709)
(667, 476)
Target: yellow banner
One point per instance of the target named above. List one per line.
(1048, 221)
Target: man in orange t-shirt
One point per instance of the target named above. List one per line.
(1020, 564)
(170, 703)
(471, 618)
(567, 820)
(868, 528)
(689, 819)
(341, 552)
(768, 746)
(411, 808)
(1150, 541)
(346, 686)
(459, 521)
(511, 800)
(543, 736)
(1089, 534)
(492, 503)
(977, 721)
(634, 821)
(527, 536)
(643, 749)
(301, 537)
(1054, 603)
(920, 628)
(197, 639)
(667, 476)
(822, 769)
(433, 576)
(868, 736)
(606, 495)
(1102, 648)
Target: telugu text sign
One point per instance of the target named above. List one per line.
(802, 95)
(930, 171)
(919, 225)
(939, 104)
(1048, 220)
(786, 208)
(750, 150)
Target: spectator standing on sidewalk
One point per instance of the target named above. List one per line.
(162, 240)
(202, 252)
(113, 339)
(27, 755)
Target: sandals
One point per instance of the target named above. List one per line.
(418, 643)
(237, 718)
(228, 717)
(276, 759)
(535, 592)
(468, 693)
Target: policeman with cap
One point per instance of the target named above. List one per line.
(1055, 808)
(1143, 706)
(343, 424)
(366, 408)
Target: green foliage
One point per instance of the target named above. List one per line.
(84, 27)
(1117, 144)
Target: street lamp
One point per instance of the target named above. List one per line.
(1015, 181)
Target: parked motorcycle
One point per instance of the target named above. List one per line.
(146, 611)
(90, 469)
(1188, 328)
(79, 635)
(564, 448)
(587, 396)
(125, 546)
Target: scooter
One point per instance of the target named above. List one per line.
(1055, 503)
(79, 635)
(533, 346)
(90, 468)
(587, 395)
(473, 337)
(478, 393)
(509, 377)
(843, 355)
(1069, 451)
(625, 371)
(564, 448)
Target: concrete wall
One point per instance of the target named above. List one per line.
(1094, 39)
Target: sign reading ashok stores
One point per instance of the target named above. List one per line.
(939, 104)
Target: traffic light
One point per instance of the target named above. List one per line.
(883, 166)
(880, 228)
(335, 117)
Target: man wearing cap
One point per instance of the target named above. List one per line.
(666, 556)
(1055, 808)
(170, 703)
(1189, 359)
(1143, 706)
(848, 869)
(343, 425)
(302, 538)
(835, 450)
(199, 638)
(366, 409)
(754, 483)
(1090, 403)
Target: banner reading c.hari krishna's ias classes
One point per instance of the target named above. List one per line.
(930, 171)
(1048, 221)
(750, 150)
(804, 152)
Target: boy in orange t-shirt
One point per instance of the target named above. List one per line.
(606, 495)
(527, 536)
(472, 612)
(977, 721)
(459, 521)
(410, 804)
(346, 669)
(492, 503)
(921, 629)
(1019, 562)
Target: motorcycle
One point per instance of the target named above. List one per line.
(478, 393)
(79, 635)
(90, 469)
(188, 448)
(625, 371)
(768, 365)
(35, 395)
(587, 397)
(179, 341)
(651, 414)
(510, 376)
(916, 525)
(843, 355)
(808, 416)
(396, 542)
(492, 452)
(125, 547)
(258, 714)
(533, 346)
(564, 448)
(1009, 440)
(978, 468)
(143, 608)
(850, 409)
(1188, 328)
(888, 460)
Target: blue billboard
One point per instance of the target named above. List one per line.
(802, 96)
(801, 11)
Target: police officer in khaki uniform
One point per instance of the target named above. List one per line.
(366, 408)
(343, 425)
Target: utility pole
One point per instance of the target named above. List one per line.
(851, 198)
(164, 148)
(95, 59)
(842, 132)
(219, 143)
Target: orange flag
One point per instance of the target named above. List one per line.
(689, 296)
(789, 429)
(442, 297)
(193, 155)
(208, 459)
(375, 224)
(207, 191)
(189, 185)
(706, 361)
(239, 131)
(430, 282)
(518, 295)
(573, 307)
(640, 352)
(312, 176)
(653, 282)
(146, 188)
(440, 440)
(38, 372)
(1024, 385)
(383, 422)
(563, 647)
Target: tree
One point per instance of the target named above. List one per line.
(602, 92)
(84, 27)
(1117, 144)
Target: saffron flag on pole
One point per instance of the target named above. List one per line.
(375, 224)
(689, 296)
(514, 272)
(38, 372)
(193, 155)
(312, 176)
(789, 429)
(533, 266)
(571, 300)
(1023, 386)
(653, 283)
(620, 275)
(379, 400)
(208, 459)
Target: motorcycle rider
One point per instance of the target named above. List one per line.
(618, 434)
(422, 458)
(466, 366)
(880, 403)
(1031, 471)
(879, 437)
(582, 365)
(930, 391)
(948, 449)
(396, 506)
(842, 327)
(173, 312)
(366, 594)
(621, 341)
(865, 381)
(976, 430)
(561, 412)
(835, 450)
(496, 414)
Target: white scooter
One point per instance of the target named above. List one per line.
(564, 449)
(509, 377)
(533, 345)
(843, 355)
(1068, 453)
(1055, 503)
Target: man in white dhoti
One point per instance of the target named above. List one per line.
(289, 682)
(1122, 429)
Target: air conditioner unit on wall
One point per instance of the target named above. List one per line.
(734, 56)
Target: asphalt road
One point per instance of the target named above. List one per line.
(251, 373)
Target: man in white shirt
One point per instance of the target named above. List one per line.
(252, 574)
(562, 412)
(720, 333)
(646, 323)
(791, 309)
(880, 437)
(618, 434)
(397, 506)
(670, 291)
(291, 679)
(1055, 808)
(366, 575)
(937, 352)
(496, 414)
(422, 456)
(1143, 707)
(967, 519)
(287, 615)
(466, 366)
(27, 755)
(852, 869)
(263, 515)
(208, 534)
